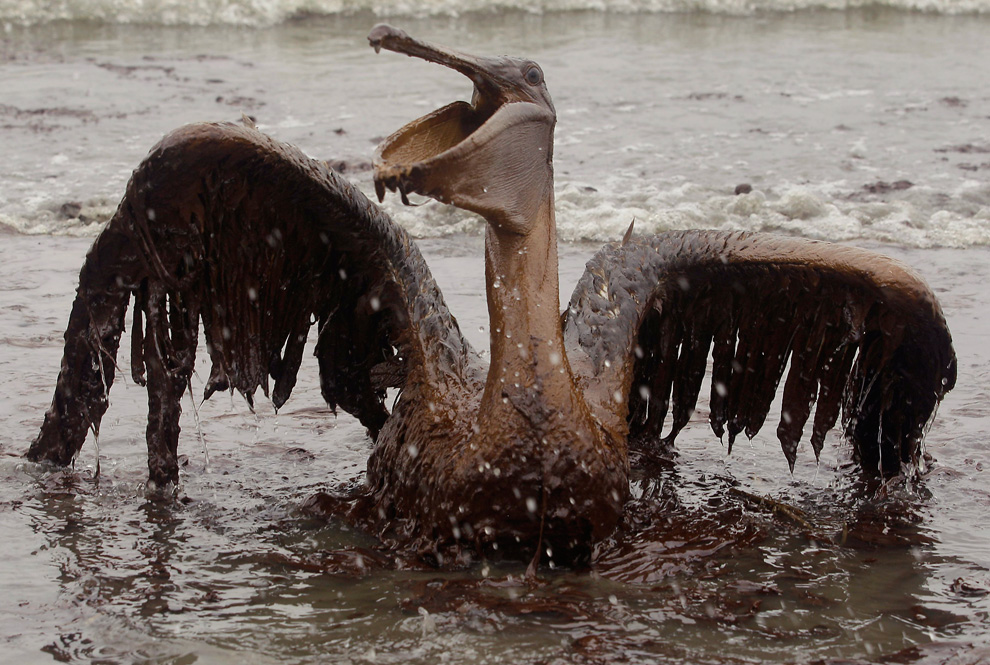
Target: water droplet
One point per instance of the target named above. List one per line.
(252, 293)
(375, 303)
(429, 623)
(531, 504)
(721, 389)
(555, 359)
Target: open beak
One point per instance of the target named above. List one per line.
(401, 159)
(490, 88)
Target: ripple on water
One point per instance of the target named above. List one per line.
(705, 568)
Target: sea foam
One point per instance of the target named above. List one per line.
(262, 13)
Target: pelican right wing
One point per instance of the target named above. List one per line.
(859, 330)
(224, 225)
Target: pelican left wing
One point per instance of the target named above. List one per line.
(224, 225)
(859, 330)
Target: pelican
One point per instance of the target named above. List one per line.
(225, 227)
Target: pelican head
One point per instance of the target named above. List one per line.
(493, 156)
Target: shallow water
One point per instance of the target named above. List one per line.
(233, 571)
(833, 105)
(859, 125)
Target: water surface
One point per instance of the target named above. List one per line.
(865, 127)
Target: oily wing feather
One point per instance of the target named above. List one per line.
(857, 330)
(225, 226)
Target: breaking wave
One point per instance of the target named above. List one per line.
(262, 13)
(917, 217)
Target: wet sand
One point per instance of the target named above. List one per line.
(703, 570)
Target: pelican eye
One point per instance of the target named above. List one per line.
(534, 76)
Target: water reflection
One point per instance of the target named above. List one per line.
(704, 569)
(699, 564)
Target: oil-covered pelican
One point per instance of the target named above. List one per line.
(225, 226)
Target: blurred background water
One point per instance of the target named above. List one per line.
(860, 123)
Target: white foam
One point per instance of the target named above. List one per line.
(923, 217)
(919, 217)
(826, 212)
(43, 216)
(262, 13)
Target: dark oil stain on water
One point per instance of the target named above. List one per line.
(720, 560)
(858, 127)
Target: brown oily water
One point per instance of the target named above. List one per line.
(712, 548)
(718, 558)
